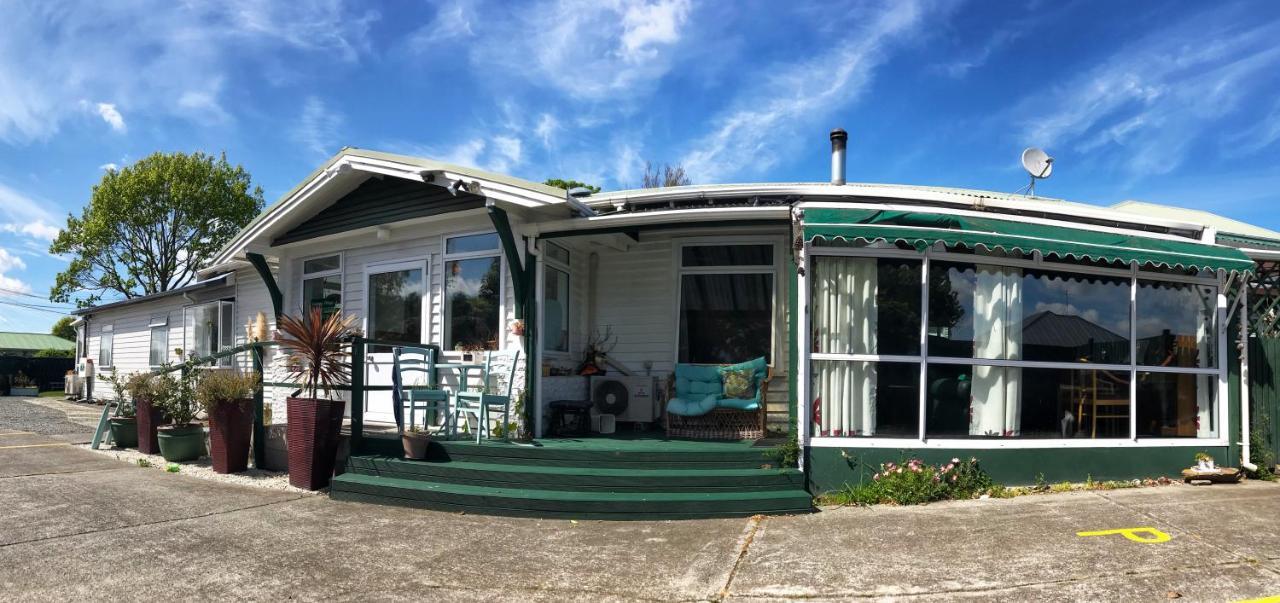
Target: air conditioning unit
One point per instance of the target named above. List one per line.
(630, 399)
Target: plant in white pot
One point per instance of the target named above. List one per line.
(1205, 462)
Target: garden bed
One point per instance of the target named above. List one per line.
(256, 478)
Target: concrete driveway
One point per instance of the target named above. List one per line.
(75, 525)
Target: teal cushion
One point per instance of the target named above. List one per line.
(692, 408)
(738, 403)
(696, 381)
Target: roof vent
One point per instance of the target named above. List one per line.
(839, 138)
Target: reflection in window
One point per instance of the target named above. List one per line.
(1172, 405)
(984, 401)
(1177, 324)
(866, 306)
(555, 310)
(395, 306)
(324, 292)
(725, 318)
(472, 289)
(853, 399)
(209, 330)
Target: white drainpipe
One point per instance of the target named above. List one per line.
(1245, 451)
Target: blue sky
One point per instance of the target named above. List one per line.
(1174, 103)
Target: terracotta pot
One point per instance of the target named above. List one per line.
(149, 418)
(312, 435)
(230, 431)
(415, 444)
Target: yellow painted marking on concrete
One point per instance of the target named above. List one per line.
(1133, 534)
(34, 445)
(1271, 599)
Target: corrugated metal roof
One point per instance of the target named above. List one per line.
(1222, 224)
(33, 341)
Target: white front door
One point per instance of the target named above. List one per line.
(397, 306)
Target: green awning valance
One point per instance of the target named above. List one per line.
(922, 230)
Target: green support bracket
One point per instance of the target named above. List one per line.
(264, 271)
(259, 428)
(519, 272)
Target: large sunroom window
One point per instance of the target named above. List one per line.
(726, 303)
(1009, 349)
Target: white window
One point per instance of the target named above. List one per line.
(322, 284)
(726, 302)
(983, 349)
(396, 295)
(472, 292)
(555, 303)
(106, 340)
(159, 353)
(209, 328)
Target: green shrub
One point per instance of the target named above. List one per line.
(913, 482)
(216, 387)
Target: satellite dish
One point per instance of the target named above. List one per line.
(1038, 164)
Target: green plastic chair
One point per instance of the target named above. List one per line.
(480, 403)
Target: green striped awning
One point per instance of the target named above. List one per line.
(923, 229)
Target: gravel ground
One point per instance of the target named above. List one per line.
(17, 414)
(202, 469)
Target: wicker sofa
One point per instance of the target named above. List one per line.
(696, 406)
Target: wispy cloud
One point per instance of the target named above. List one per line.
(960, 67)
(168, 59)
(8, 284)
(754, 134)
(452, 22)
(19, 208)
(317, 127)
(38, 229)
(1146, 106)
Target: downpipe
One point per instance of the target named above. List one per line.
(1245, 432)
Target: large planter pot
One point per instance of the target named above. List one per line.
(180, 442)
(149, 418)
(312, 434)
(230, 430)
(415, 444)
(124, 431)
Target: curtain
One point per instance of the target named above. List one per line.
(1205, 427)
(995, 407)
(845, 322)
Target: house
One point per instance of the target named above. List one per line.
(1043, 336)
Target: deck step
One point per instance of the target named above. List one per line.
(565, 504)
(666, 455)
(580, 478)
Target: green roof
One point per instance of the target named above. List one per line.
(922, 230)
(33, 341)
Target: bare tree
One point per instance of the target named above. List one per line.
(668, 176)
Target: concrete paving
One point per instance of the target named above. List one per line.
(75, 525)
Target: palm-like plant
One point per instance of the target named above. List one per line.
(314, 346)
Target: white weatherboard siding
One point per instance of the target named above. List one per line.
(636, 297)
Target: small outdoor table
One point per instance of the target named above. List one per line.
(578, 410)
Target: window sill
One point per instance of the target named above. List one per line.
(907, 444)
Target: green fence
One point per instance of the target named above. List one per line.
(1264, 396)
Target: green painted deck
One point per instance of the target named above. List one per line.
(629, 477)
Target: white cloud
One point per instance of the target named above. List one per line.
(38, 229)
(590, 51)
(109, 167)
(21, 209)
(13, 284)
(112, 116)
(10, 262)
(766, 119)
(317, 127)
(993, 43)
(508, 153)
(451, 23)
(153, 57)
(1149, 104)
(546, 128)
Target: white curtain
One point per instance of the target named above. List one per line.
(1204, 383)
(844, 322)
(995, 407)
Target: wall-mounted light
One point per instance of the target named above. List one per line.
(384, 233)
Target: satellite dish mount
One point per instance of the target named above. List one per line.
(1039, 165)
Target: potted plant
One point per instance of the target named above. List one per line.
(22, 385)
(415, 442)
(227, 399)
(1205, 462)
(148, 415)
(124, 424)
(313, 345)
(181, 438)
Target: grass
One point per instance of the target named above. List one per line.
(51, 394)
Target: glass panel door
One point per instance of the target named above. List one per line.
(396, 298)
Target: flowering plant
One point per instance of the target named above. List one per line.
(913, 482)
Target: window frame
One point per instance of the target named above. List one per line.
(445, 258)
(304, 276)
(152, 325)
(423, 263)
(774, 269)
(1132, 273)
(187, 336)
(110, 347)
(550, 263)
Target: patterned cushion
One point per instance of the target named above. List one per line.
(739, 383)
